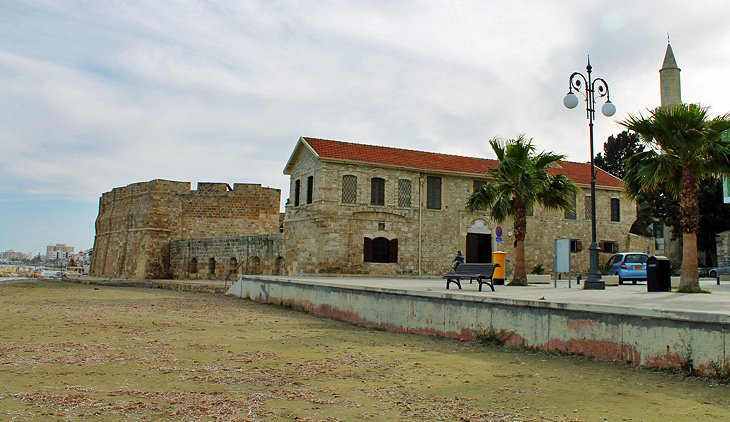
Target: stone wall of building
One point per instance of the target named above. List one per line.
(225, 258)
(136, 222)
(328, 236)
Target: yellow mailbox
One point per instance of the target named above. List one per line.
(498, 257)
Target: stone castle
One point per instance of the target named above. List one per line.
(140, 224)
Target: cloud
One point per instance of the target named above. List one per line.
(98, 96)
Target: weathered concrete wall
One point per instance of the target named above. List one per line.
(136, 222)
(192, 258)
(327, 236)
(658, 339)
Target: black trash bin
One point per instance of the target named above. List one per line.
(658, 274)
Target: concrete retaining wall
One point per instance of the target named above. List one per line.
(679, 340)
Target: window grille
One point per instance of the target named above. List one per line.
(404, 193)
(587, 212)
(349, 189)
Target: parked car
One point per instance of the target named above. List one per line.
(724, 268)
(628, 266)
(701, 271)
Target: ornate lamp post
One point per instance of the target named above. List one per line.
(592, 88)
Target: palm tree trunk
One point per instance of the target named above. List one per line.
(689, 213)
(520, 228)
(520, 274)
(689, 279)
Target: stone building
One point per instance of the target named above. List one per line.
(137, 222)
(365, 209)
(226, 257)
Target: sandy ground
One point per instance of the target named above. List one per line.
(70, 351)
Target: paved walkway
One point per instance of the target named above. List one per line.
(629, 296)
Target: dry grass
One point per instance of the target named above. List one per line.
(78, 352)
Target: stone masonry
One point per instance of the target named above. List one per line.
(136, 222)
(225, 258)
(328, 234)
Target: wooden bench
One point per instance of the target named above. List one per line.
(482, 273)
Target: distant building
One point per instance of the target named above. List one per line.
(11, 255)
(59, 251)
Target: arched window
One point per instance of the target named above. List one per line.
(211, 266)
(297, 189)
(193, 266)
(279, 265)
(310, 189)
(255, 265)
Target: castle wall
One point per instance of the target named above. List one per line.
(136, 222)
(328, 236)
(225, 258)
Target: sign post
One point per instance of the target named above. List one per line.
(562, 259)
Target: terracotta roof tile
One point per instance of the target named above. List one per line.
(431, 161)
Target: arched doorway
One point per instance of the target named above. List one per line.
(479, 242)
(193, 266)
(232, 266)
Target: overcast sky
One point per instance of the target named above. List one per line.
(95, 95)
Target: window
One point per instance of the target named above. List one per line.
(349, 189)
(404, 193)
(193, 266)
(658, 228)
(588, 211)
(297, 188)
(381, 226)
(433, 193)
(530, 211)
(377, 191)
(232, 265)
(570, 214)
(576, 245)
(608, 246)
(615, 209)
(211, 266)
(310, 188)
(478, 184)
(380, 250)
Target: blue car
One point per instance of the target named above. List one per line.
(628, 266)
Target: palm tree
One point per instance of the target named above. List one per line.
(685, 149)
(519, 183)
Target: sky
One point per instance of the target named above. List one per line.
(100, 94)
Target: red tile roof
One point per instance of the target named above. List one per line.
(430, 161)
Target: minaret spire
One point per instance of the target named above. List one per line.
(671, 89)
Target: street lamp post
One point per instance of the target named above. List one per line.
(592, 88)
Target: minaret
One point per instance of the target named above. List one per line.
(669, 79)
